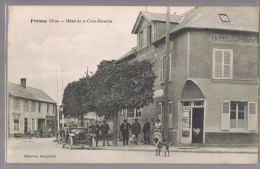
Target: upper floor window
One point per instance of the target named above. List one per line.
(25, 105)
(222, 64)
(32, 106)
(39, 107)
(224, 17)
(48, 107)
(145, 37)
(16, 104)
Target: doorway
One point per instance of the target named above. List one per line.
(25, 125)
(197, 125)
(41, 124)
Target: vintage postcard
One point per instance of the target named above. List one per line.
(132, 84)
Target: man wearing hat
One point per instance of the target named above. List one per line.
(124, 128)
(104, 130)
(136, 129)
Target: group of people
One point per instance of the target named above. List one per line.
(149, 131)
(95, 128)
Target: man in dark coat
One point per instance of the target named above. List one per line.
(104, 131)
(136, 129)
(97, 133)
(124, 128)
(146, 131)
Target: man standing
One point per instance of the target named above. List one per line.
(146, 131)
(97, 133)
(104, 131)
(124, 128)
(136, 129)
(152, 129)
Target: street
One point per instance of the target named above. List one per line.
(45, 150)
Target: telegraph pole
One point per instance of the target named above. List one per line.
(167, 73)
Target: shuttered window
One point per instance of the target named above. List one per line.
(222, 63)
(26, 105)
(239, 115)
(162, 70)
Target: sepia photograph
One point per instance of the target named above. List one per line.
(132, 84)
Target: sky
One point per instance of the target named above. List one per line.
(51, 55)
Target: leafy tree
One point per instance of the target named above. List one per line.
(123, 85)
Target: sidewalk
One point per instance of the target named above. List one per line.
(204, 149)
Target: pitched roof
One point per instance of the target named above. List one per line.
(28, 93)
(161, 17)
(241, 19)
(128, 54)
(155, 17)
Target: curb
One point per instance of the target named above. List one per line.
(193, 150)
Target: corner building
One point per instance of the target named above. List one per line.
(213, 73)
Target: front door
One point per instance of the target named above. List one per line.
(186, 123)
(197, 125)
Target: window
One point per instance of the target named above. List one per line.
(170, 107)
(162, 70)
(39, 107)
(48, 107)
(185, 104)
(32, 106)
(237, 114)
(222, 63)
(16, 104)
(141, 40)
(16, 124)
(145, 37)
(149, 35)
(224, 18)
(25, 105)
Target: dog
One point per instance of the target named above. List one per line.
(162, 145)
(132, 140)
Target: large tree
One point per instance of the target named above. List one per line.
(123, 85)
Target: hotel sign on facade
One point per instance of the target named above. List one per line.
(236, 39)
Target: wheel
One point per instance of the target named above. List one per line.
(63, 145)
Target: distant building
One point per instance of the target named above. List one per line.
(30, 108)
(213, 74)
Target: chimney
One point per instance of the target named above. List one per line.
(23, 82)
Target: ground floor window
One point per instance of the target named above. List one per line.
(237, 115)
(238, 111)
(16, 124)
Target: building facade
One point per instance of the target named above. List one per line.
(30, 109)
(213, 73)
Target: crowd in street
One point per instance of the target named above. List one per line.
(150, 130)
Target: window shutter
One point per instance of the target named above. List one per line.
(227, 64)
(148, 35)
(152, 32)
(225, 124)
(145, 37)
(252, 116)
(218, 64)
